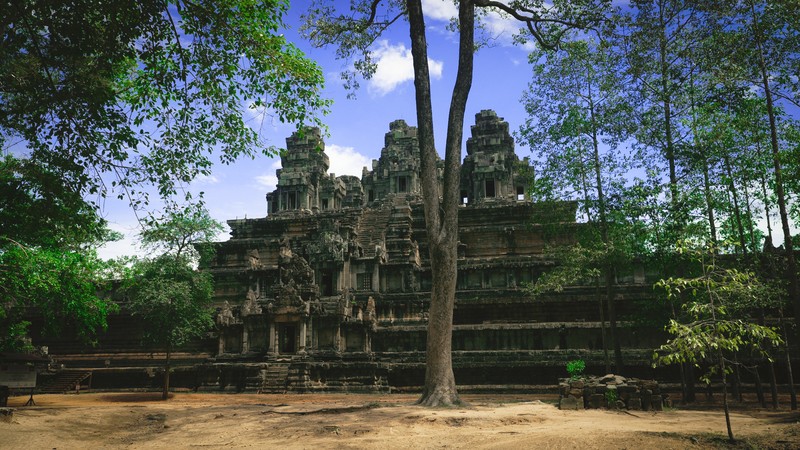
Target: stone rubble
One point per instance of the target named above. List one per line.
(626, 393)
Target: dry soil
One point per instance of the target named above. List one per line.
(142, 420)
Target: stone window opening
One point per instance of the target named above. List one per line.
(289, 200)
(262, 287)
(324, 203)
(402, 184)
(326, 282)
(464, 198)
(371, 195)
(364, 281)
(489, 188)
(520, 193)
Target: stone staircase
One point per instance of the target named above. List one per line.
(274, 379)
(372, 227)
(65, 381)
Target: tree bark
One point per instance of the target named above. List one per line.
(759, 387)
(441, 216)
(165, 392)
(791, 263)
(725, 398)
(602, 324)
(736, 210)
(609, 269)
(766, 200)
(712, 227)
(789, 374)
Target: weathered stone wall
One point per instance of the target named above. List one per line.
(611, 391)
(330, 291)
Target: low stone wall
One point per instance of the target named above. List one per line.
(611, 391)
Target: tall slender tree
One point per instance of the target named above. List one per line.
(355, 33)
(577, 116)
(172, 298)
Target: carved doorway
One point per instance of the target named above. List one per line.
(326, 282)
(287, 338)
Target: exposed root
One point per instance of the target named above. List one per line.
(346, 409)
(440, 398)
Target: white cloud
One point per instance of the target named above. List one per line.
(501, 27)
(439, 9)
(395, 67)
(269, 180)
(127, 246)
(345, 160)
(205, 179)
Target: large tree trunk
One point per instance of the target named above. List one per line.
(441, 217)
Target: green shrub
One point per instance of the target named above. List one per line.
(611, 397)
(575, 368)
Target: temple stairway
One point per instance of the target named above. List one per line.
(274, 379)
(372, 227)
(65, 381)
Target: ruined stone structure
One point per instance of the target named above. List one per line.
(331, 289)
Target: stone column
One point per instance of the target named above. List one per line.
(245, 339)
(302, 347)
(313, 332)
(221, 342)
(337, 339)
(273, 343)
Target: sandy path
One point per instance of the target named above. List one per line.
(134, 420)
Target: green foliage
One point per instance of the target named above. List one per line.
(39, 206)
(577, 265)
(575, 368)
(146, 90)
(48, 266)
(177, 228)
(172, 299)
(60, 286)
(611, 397)
(715, 327)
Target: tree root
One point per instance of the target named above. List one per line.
(439, 398)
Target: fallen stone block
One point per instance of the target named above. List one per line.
(570, 403)
(597, 401)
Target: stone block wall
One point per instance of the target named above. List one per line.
(623, 393)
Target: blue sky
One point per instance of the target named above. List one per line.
(357, 127)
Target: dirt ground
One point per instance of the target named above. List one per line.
(141, 420)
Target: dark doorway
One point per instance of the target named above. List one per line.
(402, 184)
(326, 282)
(287, 336)
(490, 192)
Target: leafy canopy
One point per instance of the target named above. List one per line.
(146, 90)
(172, 298)
(47, 259)
(715, 326)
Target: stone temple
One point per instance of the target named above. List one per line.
(332, 287)
(330, 291)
